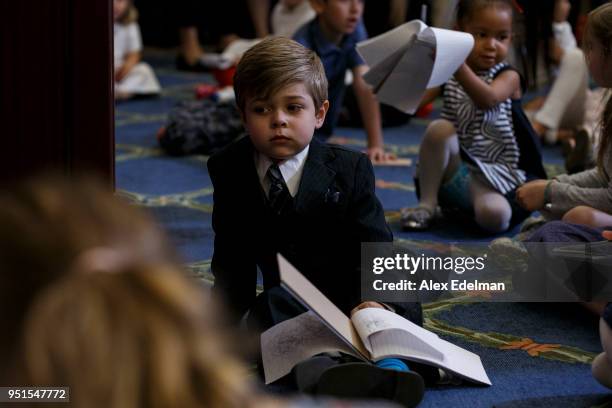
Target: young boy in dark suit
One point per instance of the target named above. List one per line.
(278, 190)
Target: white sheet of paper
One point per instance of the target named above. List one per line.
(407, 81)
(295, 340)
(376, 49)
(452, 48)
(407, 60)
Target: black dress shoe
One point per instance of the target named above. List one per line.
(307, 373)
(367, 381)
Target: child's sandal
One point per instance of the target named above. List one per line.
(417, 218)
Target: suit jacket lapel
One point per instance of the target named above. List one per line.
(316, 178)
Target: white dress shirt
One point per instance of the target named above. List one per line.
(291, 170)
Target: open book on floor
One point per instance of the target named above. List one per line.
(411, 58)
(370, 335)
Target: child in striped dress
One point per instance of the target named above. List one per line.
(471, 159)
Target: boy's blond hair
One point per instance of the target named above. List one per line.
(275, 63)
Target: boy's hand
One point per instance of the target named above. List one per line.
(365, 305)
(607, 235)
(378, 154)
(530, 195)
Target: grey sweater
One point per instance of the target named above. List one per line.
(592, 188)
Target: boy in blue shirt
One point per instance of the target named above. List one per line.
(333, 35)
(280, 191)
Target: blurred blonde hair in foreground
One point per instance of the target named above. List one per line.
(91, 298)
(141, 337)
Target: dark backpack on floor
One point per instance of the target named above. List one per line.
(200, 127)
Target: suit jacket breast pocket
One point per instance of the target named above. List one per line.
(335, 202)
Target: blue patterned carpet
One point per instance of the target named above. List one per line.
(535, 354)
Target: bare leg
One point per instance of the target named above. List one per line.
(565, 104)
(491, 209)
(190, 47)
(438, 160)
(260, 11)
(588, 216)
(602, 366)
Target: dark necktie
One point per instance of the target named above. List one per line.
(279, 193)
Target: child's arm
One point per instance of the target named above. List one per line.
(485, 96)
(595, 194)
(591, 178)
(566, 192)
(129, 62)
(370, 114)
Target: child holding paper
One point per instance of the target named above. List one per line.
(475, 157)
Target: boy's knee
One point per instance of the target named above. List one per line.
(582, 215)
(440, 130)
(493, 218)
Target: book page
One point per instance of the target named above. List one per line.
(372, 320)
(397, 342)
(390, 335)
(457, 360)
(312, 298)
(295, 340)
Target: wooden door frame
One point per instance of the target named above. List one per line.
(56, 88)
